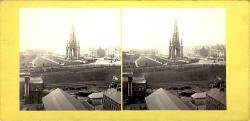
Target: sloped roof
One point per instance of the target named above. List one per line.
(199, 95)
(113, 94)
(60, 100)
(218, 95)
(164, 100)
(96, 95)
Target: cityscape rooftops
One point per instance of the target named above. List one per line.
(218, 95)
(113, 94)
(164, 100)
(60, 100)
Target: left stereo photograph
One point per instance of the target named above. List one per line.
(70, 58)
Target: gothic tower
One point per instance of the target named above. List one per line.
(175, 46)
(72, 47)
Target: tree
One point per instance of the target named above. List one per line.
(101, 52)
(204, 52)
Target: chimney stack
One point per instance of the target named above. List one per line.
(27, 89)
(130, 86)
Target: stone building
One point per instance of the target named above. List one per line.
(112, 99)
(96, 98)
(134, 85)
(72, 47)
(216, 99)
(32, 89)
(198, 98)
(175, 45)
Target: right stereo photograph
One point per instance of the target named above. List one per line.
(174, 58)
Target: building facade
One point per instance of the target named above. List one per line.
(72, 47)
(134, 85)
(216, 99)
(32, 90)
(112, 99)
(175, 45)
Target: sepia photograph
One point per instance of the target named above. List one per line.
(174, 58)
(70, 58)
(124, 60)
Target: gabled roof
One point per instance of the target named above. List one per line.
(218, 95)
(60, 100)
(98, 95)
(164, 100)
(113, 94)
(199, 95)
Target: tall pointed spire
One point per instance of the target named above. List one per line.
(175, 26)
(176, 33)
(176, 45)
(73, 47)
(72, 34)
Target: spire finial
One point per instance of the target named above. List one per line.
(72, 34)
(175, 26)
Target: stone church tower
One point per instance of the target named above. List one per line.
(72, 47)
(175, 45)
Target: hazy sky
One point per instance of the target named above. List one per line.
(153, 27)
(49, 28)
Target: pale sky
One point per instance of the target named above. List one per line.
(49, 28)
(142, 28)
(153, 27)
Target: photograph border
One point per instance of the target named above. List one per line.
(237, 65)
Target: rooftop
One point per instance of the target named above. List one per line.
(96, 95)
(60, 100)
(164, 100)
(218, 95)
(113, 94)
(199, 95)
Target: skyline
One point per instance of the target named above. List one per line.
(49, 28)
(153, 27)
(142, 28)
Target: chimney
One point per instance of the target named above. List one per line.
(27, 89)
(27, 86)
(130, 87)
